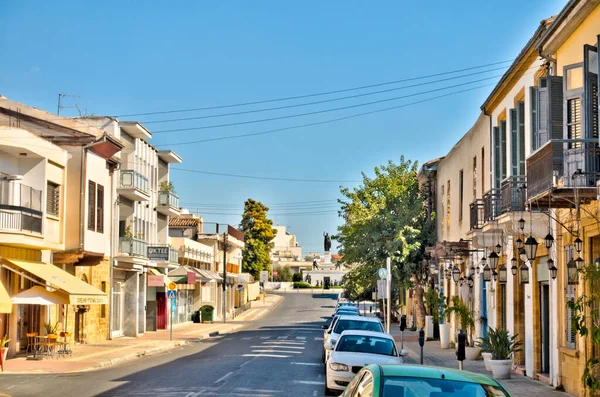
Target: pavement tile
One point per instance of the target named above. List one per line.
(106, 353)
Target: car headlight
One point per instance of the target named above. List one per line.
(332, 341)
(338, 367)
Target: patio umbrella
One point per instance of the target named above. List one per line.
(39, 296)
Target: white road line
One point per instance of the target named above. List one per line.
(282, 337)
(222, 378)
(265, 337)
(296, 363)
(247, 338)
(309, 382)
(301, 337)
(318, 338)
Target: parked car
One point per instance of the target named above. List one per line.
(355, 350)
(348, 323)
(419, 380)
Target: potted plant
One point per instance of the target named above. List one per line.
(444, 328)
(51, 329)
(465, 318)
(484, 345)
(4, 347)
(503, 347)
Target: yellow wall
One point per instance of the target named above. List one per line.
(572, 50)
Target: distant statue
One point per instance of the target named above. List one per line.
(327, 242)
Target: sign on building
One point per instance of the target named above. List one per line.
(158, 253)
(156, 281)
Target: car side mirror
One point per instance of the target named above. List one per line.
(325, 327)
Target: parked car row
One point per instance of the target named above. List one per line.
(361, 359)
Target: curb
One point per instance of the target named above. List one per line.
(133, 356)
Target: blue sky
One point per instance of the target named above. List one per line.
(135, 57)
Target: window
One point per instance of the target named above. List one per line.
(448, 206)
(533, 94)
(91, 206)
(474, 178)
(569, 296)
(574, 121)
(95, 207)
(460, 194)
(52, 199)
(502, 150)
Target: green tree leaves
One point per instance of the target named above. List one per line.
(258, 237)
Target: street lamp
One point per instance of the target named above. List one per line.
(455, 274)
(531, 246)
(549, 240)
(470, 282)
(579, 263)
(521, 223)
(519, 243)
(553, 271)
(524, 273)
(472, 270)
(523, 255)
(502, 274)
(578, 244)
(597, 262)
(448, 274)
(572, 273)
(493, 260)
(498, 249)
(513, 267)
(477, 268)
(483, 261)
(550, 263)
(487, 273)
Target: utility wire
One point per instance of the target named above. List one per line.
(319, 102)
(320, 122)
(314, 95)
(264, 177)
(324, 110)
(268, 205)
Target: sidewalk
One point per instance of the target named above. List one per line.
(517, 386)
(103, 354)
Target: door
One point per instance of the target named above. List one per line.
(161, 310)
(484, 323)
(117, 305)
(326, 282)
(545, 326)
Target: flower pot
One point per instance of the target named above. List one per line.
(472, 353)
(444, 336)
(487, 358)
(501, 368)
(428, 327)
(4, 353)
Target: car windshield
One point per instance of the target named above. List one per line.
(398, 386)
(366, 344)
(357, 325)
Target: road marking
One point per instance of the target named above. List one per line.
(266, 355)
(282, 337)
(228, 339)
(196, 394)
(222, 378)
(265, 337)
(275, 351)
(309, 382)
(314, 393)
(301, 337)
(318, 338)
(296, 363)
(247, 338)
(276, 347)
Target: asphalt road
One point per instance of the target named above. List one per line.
(278, 355)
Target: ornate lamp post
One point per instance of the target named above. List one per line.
(487, 273)
(493, 260)
(579, 263)
(513, 268)
(531, 246)
(455, 274)
(572, 273)
(524, 273)
(502, 274)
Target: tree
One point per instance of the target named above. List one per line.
(385, 217)
(297, 277)
(284, 274)
(258, 237)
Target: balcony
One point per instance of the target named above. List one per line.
(163, 254)
(513, 194)
(192, 250)
(476, 214)
(554, 173)
(491, 205)
(20, 208)
(133, 246)
(168, 203)
(133, 186)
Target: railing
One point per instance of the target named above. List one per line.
(168, 199)
(20, 207)
(133, 246)
(133, 179)
(543, 168)
(239, 310)
(163, 252)
(491, 204)
(20, 219)
(214, 228)
(582, 166)
(477, 214)
(513, 191)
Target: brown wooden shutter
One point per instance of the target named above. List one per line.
(100, 210)
(91, 205)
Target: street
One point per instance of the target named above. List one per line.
(276, 355)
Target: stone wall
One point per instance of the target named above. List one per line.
(96, 319)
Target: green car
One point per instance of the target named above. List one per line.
(421, 381)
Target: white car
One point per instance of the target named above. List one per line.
(348, 323)
(357, 349)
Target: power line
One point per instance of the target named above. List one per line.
(268, 205)
(320, 122)
(313, 95)
(264, 177)
(319, 102)
(324, 110)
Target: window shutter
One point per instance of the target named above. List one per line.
(100, 210)
(555, 107)
(569, 296)
(521, 134)
(52, 198)
(503, 163)
(543, 114)
(91, 205)
(514, 139)
(496, 157)
(533, 98)
(591, 91)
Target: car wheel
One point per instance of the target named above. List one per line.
(329, 392)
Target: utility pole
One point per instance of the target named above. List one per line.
(388, 287)
(225, 245)
(60, 96)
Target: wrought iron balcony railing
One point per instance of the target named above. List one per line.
(514, 192)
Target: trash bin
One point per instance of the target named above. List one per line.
(196, 316)
(206, 313)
